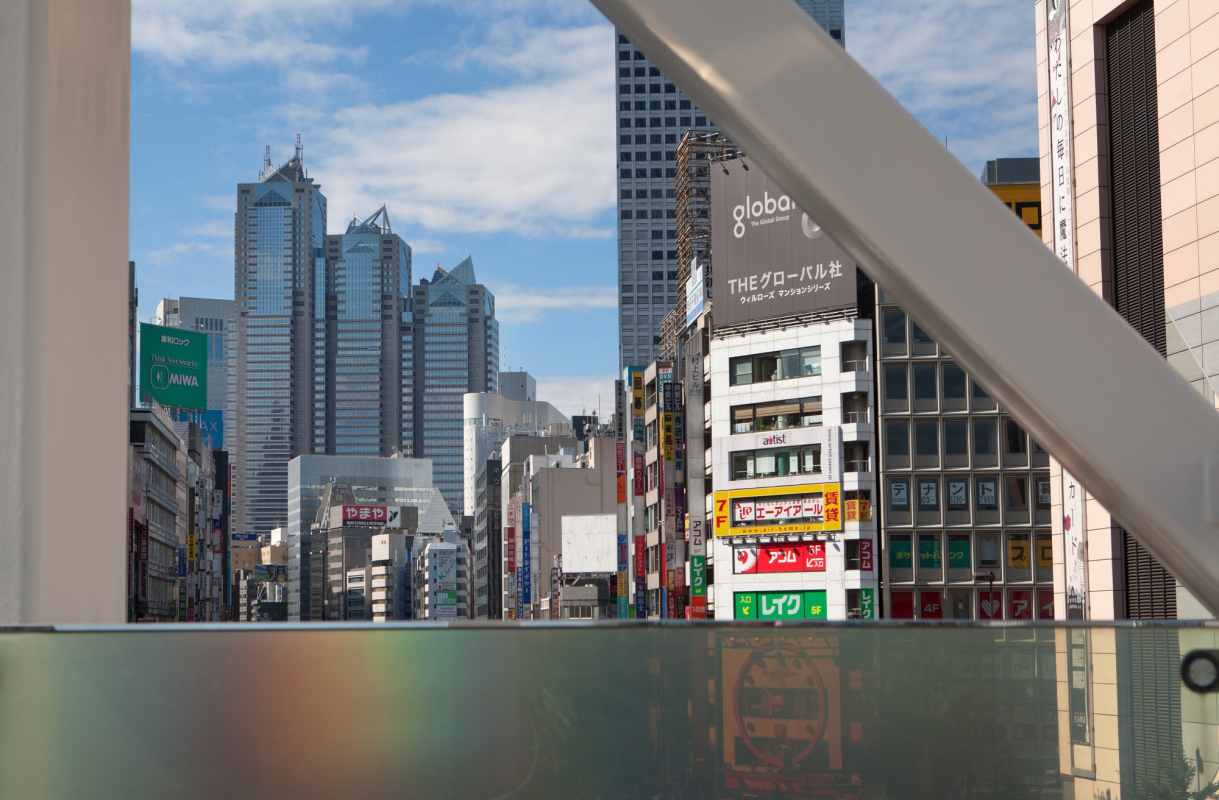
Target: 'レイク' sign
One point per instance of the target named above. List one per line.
(371, 515)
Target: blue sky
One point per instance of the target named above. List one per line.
(487, 128)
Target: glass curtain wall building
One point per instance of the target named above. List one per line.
(450, 347)
(653, 115)
(358, 369)
(280, 227)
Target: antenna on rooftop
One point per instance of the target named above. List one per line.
(266, 161)
(299, 150)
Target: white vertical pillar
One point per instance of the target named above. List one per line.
(65, 95)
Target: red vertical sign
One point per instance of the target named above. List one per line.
(902, 605)
(1019, 604)
(930, 605)
(1045, 604)
(640, 491)
(990, 605)
(865, 555)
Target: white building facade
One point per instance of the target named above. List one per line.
(490, 418)
(792, 533)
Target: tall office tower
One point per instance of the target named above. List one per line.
(357, 341)
(453, 342)
(280, 228)
(653, 115)
(208, 316)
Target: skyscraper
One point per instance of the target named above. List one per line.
(653, 115)
(280, 228)
(359, 377)
(454, 344)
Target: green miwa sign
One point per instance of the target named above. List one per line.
(173, 367)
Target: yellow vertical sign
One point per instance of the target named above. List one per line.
(190, 547)
(1018, 550)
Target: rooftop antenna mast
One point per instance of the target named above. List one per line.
(266, 160)
(299, 150)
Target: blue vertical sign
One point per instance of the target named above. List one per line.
(526, 563)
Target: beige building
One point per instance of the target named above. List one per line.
(1129, 141)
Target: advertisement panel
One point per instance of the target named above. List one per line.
(765, 558)
(526, 560)
(243, 537)
(173, 367)
(865, 555)
(637, 404)
(641, 590)
(808, 508)
(781, 605)
(374, 516)
(445, 564)
(695, 295)
(590, 543)
(271, 573)
(620, 411)
(867, 603)
(771, 259)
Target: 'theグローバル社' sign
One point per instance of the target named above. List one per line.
(770, 258)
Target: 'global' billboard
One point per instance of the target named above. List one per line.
(173, 367)
(770, 259)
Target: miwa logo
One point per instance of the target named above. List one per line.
(174, 340)
(758, 208)
(162, 378)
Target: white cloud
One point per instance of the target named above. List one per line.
(535, 157)
(522, 304)
(213, 229)
(424, 245)
(581, 394)
(966, 69)
(224, 34)
(219, 202)
(178, 252)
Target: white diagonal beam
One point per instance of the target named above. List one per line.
(1070, 369)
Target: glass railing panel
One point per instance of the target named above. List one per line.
(765, 710)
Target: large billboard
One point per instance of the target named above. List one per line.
(770, 259)
(173, 367)
(810, 508)
(590, 543)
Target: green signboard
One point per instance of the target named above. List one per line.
(929, 552)
(446, 597)
(173, 367)
(746, 605)
(781, 605)
(814, 605)
(899, 552)
(867, 603)
(698, 576)
(958, 552)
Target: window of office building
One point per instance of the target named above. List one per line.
(776, 462)
(777, 366)
(801, 413)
